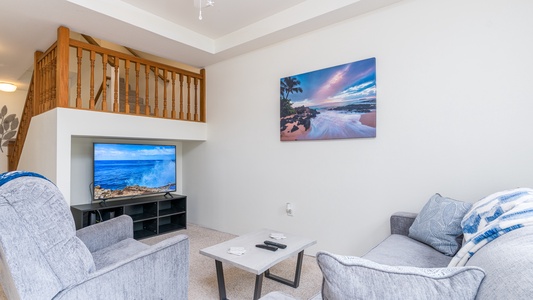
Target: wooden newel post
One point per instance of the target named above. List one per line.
(63, 39)
(36, 83)
(202, 96)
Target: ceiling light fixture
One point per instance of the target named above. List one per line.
(203, 4)
(7, 87)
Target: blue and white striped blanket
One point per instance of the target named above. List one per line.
(491, 217)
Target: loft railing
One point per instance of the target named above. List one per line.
(137, 86)
(67, 74)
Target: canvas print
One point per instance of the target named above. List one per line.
(334, 103)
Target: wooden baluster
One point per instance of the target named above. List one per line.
(182, 113)
(53, 75)
(147, 98)
(91, 87)
(45, 85)
(156, 107)
(78, 84)
(196, 115)
(115, 101)
(189, 98)
(48, 82)
(45, 81)
(137, 106)
(173, 113)
(127, 84)
(165, 111)
(104, 80)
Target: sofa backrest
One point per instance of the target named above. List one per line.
(508, 264)
(39, 251)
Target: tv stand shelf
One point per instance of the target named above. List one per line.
(152, 215)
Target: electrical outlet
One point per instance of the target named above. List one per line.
(289, 209)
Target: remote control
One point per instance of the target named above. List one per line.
(271, 243)
(267, 247)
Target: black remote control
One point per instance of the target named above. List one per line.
(271, 248)
(271, 243)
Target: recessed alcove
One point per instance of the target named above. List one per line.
(59, 144)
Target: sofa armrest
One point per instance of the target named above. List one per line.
(159, 272)
(107, 233)
(401, 221)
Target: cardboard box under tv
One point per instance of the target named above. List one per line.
(152, 215)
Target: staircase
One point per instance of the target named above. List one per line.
(130, 98)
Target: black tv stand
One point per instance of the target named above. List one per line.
(152, 215)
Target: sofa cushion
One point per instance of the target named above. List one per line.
(400, 250)
(439, 224)
(349, 277)
(508, 263)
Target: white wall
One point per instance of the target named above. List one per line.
(455, 97)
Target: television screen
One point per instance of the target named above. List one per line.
(128, 170)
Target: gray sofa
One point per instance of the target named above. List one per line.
(43, 257)
(506, 261)
(404, 267)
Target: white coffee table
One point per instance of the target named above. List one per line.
(257, 260)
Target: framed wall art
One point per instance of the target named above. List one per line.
(333, 103)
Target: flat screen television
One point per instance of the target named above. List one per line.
(129, 170)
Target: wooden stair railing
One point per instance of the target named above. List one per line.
(183, 91)
(14, 148)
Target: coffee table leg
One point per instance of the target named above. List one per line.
(296, 281)
(220, 279)
(258, 286)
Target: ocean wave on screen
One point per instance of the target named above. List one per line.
(161, 174)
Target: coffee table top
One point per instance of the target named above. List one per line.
(257, 260)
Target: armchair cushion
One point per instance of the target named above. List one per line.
(439, 224)
(117, 252)
(349, 277)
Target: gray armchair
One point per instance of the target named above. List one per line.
(43, 257)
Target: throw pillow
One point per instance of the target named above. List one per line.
(349, 277)
(439, 224)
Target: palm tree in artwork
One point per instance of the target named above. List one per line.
(288, 85)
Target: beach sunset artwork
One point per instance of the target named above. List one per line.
(333, 103)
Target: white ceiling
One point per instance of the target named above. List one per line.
(166, 28)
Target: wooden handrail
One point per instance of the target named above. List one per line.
(123, 56)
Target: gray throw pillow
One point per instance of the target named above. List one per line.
(439, 224)
(349, 277)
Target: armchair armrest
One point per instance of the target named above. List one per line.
(159, 272)
(107, 233)
(401, 221)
